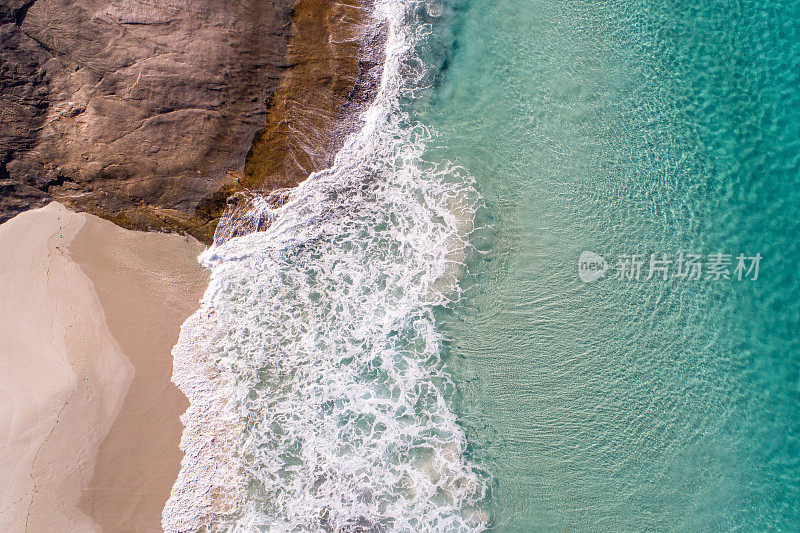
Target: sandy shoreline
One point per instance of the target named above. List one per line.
(89, 426)
(89, 420)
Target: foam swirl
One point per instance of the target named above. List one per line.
(319, 399)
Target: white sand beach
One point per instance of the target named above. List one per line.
(89, 425)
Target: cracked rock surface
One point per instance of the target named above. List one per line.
(135, 110)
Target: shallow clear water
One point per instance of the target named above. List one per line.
(620, 128)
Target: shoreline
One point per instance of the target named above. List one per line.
(273, 362)
(89, 412)
(305, 110)
(103, 449)
(332, 78)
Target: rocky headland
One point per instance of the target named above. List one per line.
(153, 113)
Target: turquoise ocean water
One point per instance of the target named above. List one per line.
(630, 127)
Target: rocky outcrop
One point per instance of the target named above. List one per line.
(134, 109)
(24, 101)
(334, 74)
(151, 113)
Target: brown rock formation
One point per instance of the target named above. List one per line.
(150, 103)
(143, 112)
(330, 74)
(134, 110)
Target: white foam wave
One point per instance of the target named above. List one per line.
(319, 400)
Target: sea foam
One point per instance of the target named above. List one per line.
(319, 399)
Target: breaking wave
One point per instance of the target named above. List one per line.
(319, 398)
